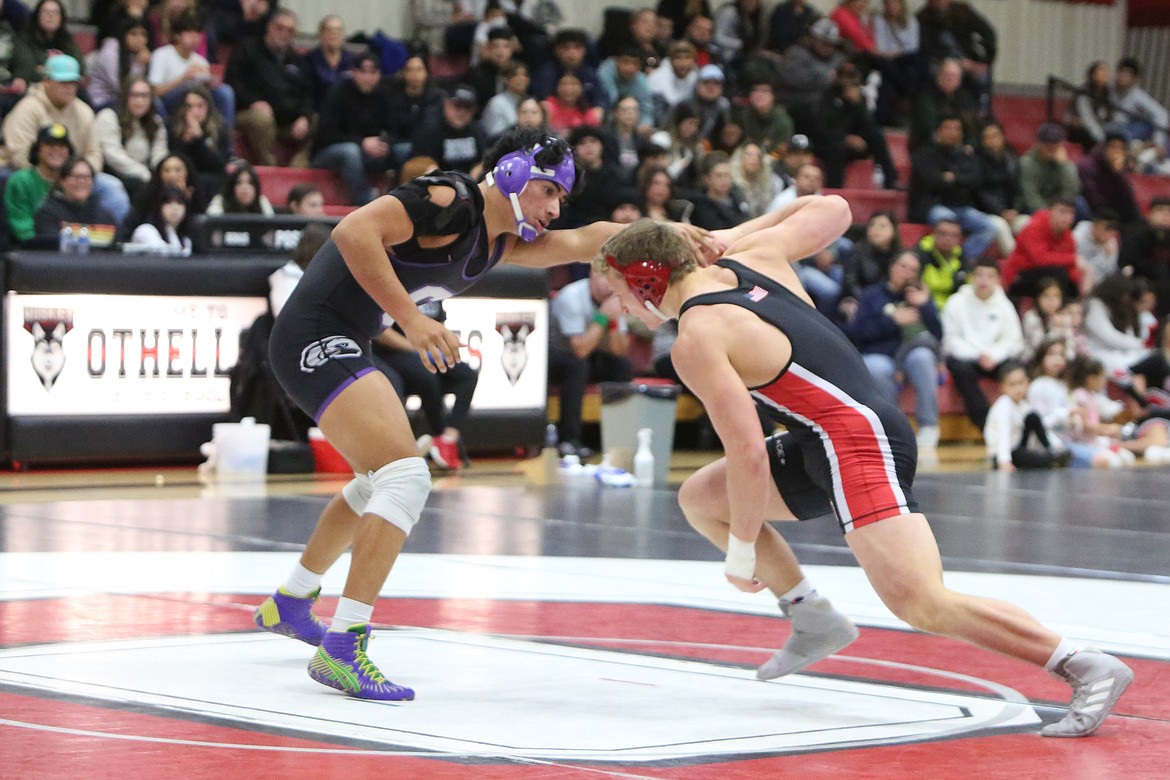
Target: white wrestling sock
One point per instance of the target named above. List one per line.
(350, 613)
(1062, 651)
(301, 582)
(803, 590)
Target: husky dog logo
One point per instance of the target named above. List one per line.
(48, 328)
(515, 329)
(329, 348)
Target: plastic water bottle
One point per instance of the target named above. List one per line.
(879, 177)
(644, 460)
(65, 240)
(549, 456)
(83, 240)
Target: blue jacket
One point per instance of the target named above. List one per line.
(873, 332)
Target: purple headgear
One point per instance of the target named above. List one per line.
(515, 169)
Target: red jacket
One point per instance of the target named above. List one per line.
(1036, 247)
(854, 29)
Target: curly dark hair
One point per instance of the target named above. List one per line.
(552, 153)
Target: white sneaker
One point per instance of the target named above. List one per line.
(1157, 455)
(928, 437)
(818, 631)
(424, 444)
(1097, 680)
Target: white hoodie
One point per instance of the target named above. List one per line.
(973, 327)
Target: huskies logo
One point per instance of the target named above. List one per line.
(515, 329)
(329, 348)
(48, 328)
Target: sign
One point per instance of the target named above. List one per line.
(123, 354)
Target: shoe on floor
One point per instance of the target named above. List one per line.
(341, 662)
(818, 631)
(292, 616)
(445, 453)
(424, 444)
(1097, 680)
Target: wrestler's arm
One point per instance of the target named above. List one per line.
(557, 247)
(701, 358)
(800, 229)
(362, 237)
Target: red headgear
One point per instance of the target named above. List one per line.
(647, 280)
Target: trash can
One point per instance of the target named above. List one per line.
(628, 406)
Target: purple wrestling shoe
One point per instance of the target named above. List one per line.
(289, 615)
(341, 663)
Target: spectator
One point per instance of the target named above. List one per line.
(414, 102)
(701, 33)
(809, 180)
(12, 88)
(709, 102)
(1048, 320)
(945, 96)
(27, 189)
(487, 77)
(236, 22)
(241, 194)
(764, 121)
(868, 262)
(161, 18)
(844, 131)
(569, 47)
(46, 34)
(898, 332)
(168, 227)
(283, 280)
(72, 202)
(329, 62)
(624, 129)
(530, 114)
(353, 130)
(722, 205)
(500, 112)
(657, 199)
(177, 67)
(132, 136)
(896, 56)
(1113, 326)
(620, 76)
(739, 31)
(568, 107)
(807, 71)
(686, 144)
(112, 24)
(943, 183)
(394, 355)
(954, 30)
(601, 180)
(174, 170)
(1151, 375)
(1092, 108)
(792, 157)
(589, 344)
(455, 138)
(55, 100)
(673, 81)
(1146, 119)
(789, 23)
(124, 56)
(944, 265)
(1145, 248)
(200, 134)
(1012, 423)
(853, 22)
(274, 88)
(682, 12)
(305, 200)
(1096, 412)
(999, 190)
(981, 331)
(1045, 247)
(1098, 248)
(642, 35)
(751, 171)
(1046, 173)
(1104, 178)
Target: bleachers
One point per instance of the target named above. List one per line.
(276, 181)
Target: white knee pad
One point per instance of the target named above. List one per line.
(357, 493)
(400, 490)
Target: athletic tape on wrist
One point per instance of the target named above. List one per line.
(741, 558)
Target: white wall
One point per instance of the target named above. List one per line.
(1036, 37)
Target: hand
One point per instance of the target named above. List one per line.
(1061, 154)
(917, 296)
(948, 176)
(611, 307)
(300, 129)
(438, 348)
(848, 308)
(824, 260)
(906, 315)
(706, 247)
(1062, 319)
(855, 143)
(375, 147)
(1009, 215)
(987, 362)
(18, 86)
(261, 107)
(193, 129)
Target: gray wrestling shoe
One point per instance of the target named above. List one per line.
(818, 631)
(1097, 680)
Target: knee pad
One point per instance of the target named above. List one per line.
(399, 491)
(357, 493)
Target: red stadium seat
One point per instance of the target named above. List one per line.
(276, 181)
(865, 202)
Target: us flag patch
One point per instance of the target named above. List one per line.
(756, 294)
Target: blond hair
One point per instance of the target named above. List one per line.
(650, 240)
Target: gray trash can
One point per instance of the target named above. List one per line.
(628, 406)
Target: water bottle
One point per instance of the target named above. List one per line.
(65, 240)
(879, 177)
(549, 456)
(644, 460)
(83, 240)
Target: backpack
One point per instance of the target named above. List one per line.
(256, 393)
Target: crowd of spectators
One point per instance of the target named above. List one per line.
(710, 113)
